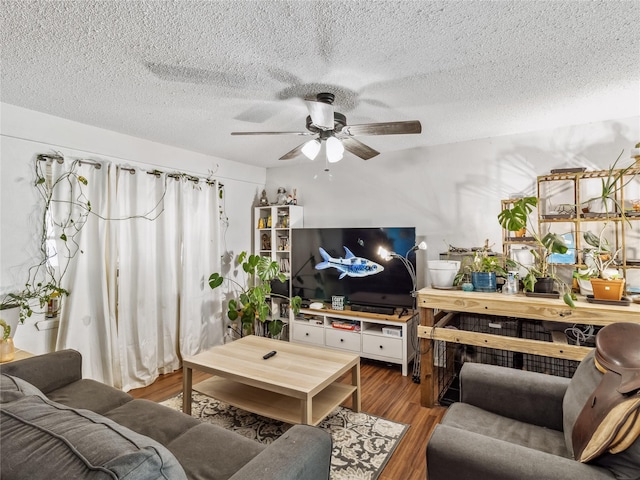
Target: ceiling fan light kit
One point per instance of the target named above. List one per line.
(332, 127)
(311, 149)
(335, 150)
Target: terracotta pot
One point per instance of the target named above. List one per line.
(607, 289)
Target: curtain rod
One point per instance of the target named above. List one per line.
(43, 157)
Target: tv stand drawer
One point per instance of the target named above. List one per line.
(308, 334)
(343, 340)
(381, 346)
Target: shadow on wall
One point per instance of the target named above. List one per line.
(594, 146)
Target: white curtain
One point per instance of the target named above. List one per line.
(86, 322)
(148, 247)
(139, 293)
(201, 324)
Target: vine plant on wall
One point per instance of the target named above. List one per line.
(43, 278)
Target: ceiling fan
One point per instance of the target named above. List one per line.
(331, 127)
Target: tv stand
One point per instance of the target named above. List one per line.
(386, 337)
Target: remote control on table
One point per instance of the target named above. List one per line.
(270, 354)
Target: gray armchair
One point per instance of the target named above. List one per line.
(516, 425)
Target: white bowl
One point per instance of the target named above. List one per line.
(443, 272)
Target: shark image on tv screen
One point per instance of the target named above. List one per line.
(349, 265)
(345, 262)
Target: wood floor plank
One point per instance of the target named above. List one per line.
(385, 393)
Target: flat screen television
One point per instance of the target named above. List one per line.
(345, 262)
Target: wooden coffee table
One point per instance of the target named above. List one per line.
(297, 385)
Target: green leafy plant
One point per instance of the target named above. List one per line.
(252, 303)
(602, 254)
(517, 218)
(480, 262)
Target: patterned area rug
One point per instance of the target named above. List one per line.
(362, 443)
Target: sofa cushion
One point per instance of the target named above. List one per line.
(195, 449)
(41, 439)
(142, 416)
(474, 419)
(90, 395)
(14, 388)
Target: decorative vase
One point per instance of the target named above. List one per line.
(544, 285)
(483, 281)
(607, 289)
(7, 349)
(11, 315)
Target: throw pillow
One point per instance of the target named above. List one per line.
(41, 439)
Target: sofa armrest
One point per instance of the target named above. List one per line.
(456, 453)
(301, 453)
(529, 397)
(47, 372)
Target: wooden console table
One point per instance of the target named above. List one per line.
(437, 307)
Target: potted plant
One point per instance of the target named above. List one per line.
(607, 202)
(605, 280)
(540, 277)
(22, 303)
(252, 303)
(483, 269)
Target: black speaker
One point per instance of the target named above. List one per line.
(280, 288)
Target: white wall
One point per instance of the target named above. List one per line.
(450, 193)
(25, 133)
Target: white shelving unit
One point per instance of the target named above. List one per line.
(272, 239)
(389, 338)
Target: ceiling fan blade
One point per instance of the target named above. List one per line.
(387, 128)
(321, 114)
(358, 148)
(293, 153)
(272, 133)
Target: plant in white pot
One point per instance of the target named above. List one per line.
(607, 201)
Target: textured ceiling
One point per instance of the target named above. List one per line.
(187, 73)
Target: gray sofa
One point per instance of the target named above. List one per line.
(55, 424)
(516, 425)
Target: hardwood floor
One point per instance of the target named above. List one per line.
(385, 393)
